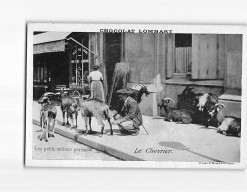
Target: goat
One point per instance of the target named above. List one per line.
(204, 106)
(226, 125)
(206, 101)
(53, 98)
(197, 100)
(67, 102)
(95, 108)
(69, 106)
(202, 103)
(173, 114)
(137, 94)
(48, 115)
(230, 126)
(188, 98)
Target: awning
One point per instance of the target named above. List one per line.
(49, 42)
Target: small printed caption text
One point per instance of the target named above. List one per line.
(62, 149)
(152, 151)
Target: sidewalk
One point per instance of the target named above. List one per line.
(166, 141)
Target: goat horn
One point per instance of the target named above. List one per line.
(48, 93)
(78, 93)
(170, 99)
(219, 104)
(140, 85)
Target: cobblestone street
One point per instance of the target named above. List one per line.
(62, 148)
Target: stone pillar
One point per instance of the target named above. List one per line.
(233, 73)
(233, 76)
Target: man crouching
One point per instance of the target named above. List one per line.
(131, 117)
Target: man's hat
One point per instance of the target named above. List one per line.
(123, 91)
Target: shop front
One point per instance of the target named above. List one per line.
(61, 59)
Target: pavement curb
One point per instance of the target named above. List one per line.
(109, 150)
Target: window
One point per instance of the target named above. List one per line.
(183, 57)
(80, 59)
(196, 56)
(40, 73)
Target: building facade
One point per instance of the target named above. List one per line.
(167, 63)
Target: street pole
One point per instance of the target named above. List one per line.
(76, 66)
(82, 66)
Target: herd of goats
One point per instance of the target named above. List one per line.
(193, 107)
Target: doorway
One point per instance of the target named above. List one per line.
(112, 55)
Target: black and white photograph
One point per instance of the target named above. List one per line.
(123, 96)
(154, 96)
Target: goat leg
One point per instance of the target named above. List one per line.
(85, 119)
(47, 133)
(226, 133)
(109, 121)
(63, 118)
(72, 121)
(47, 127)
(67, 118)
(42, 127)
(53, 124)
(76, 114)
(40, 121)
(90, 126)
(186, 120)
(207, 123)
(102, 128)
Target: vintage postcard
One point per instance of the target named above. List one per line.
(136, 96)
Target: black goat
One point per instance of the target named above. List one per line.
(205, 102)
(174, 114)
(226, 125)
(230, 126)
(137, 94)
(198, 102)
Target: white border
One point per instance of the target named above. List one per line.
(75, 27)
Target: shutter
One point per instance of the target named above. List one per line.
(195, 52)
(211, 58)
(170, 55)
(221, 56)
(204, 56)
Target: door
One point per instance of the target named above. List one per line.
(112, 54)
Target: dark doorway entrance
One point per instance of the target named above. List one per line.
(49, 70)
(112, 55)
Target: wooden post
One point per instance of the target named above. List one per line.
(82, 67)
(156, 71)
(89, 54)
(76, 66)
(70, 65)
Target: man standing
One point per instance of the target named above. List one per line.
(132, 119)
